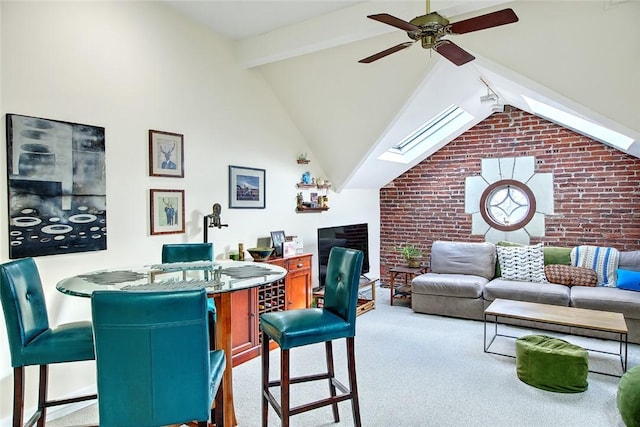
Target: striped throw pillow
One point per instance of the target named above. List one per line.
(522, 263)
(603, 260)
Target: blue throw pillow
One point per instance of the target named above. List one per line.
(629, 280)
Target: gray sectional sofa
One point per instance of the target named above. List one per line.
(463, 280)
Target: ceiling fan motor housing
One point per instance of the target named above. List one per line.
(432, 27)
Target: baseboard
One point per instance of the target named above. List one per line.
(58, 411)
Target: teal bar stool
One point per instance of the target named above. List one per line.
(296, 328)
(153, 359)
(32, 342)
(189, 252)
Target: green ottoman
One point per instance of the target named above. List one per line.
(552, 364)
(628, 398)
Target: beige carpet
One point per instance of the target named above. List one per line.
(422, 370)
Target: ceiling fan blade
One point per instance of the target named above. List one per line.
(386, 52)
(482, 22)
(385, 18)
(454, 53)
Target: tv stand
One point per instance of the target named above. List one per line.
(364, 303)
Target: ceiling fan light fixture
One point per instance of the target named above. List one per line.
(497, 108)
(490, 97)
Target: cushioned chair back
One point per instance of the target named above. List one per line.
(341, 283)
(25, 310)
(152, 356)
(187, 252)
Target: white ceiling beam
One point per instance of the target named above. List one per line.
(341, 27)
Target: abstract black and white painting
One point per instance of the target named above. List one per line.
(56, 187)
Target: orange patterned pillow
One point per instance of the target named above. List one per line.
(570, 276)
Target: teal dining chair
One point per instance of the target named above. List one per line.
(32, 342)
(296, 328)
(189, 252)
(153, 360)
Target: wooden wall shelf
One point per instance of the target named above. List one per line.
(305, 209)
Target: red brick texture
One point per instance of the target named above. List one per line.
(596, 188)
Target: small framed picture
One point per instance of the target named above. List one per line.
(277, 240)
(166, 154)
(288, 249)
(167, 211)
(246, 188)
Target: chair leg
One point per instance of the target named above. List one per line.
(18, 396)
(265, 379)
(284, 387)
(217, 415)
(328, 346)
(42, 394)
(353, 383)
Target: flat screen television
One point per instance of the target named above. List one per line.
(354, 236)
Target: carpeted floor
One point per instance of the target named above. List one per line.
(422, 370)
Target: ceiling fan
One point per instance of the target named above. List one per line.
(432, 27)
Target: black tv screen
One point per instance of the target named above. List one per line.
(354, 236)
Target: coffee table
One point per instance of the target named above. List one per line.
(559, 315)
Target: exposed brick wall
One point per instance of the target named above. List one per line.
(596, 188)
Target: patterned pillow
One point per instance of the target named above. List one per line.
(603, 260)
(570, 276)
(524, 263)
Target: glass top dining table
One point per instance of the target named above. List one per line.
(219, 278)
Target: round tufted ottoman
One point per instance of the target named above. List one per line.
(628, 398)
(552, 364)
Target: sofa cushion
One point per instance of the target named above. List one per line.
(557, 255)
(454, 285)
(570, 276)
(552, 255)
(546, 293)
(603, 260)
(478, 259)
(524, 263)
(607, 299)
(629, 260)
(628, 279)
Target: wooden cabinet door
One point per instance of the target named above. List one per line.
(297, 289)
(244, 324)
(298, 282)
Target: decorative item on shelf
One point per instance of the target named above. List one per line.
(302, 159)
(411, 254)
(260, 254)
(299, 200)
(306, 178)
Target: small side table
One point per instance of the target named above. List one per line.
(403, 290)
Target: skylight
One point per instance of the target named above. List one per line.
(428, 135)
(580, 125)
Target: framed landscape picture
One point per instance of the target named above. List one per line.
(166, 154)
(246, 188)
(167, 211)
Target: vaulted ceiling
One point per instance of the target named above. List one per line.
(579, 56)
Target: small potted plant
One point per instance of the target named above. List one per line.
(411, 254)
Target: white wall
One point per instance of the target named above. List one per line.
(135, 66)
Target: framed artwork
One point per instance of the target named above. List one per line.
(246, 188)
(56, 187)
(167, 211)
(166, 154)
(277, 239)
